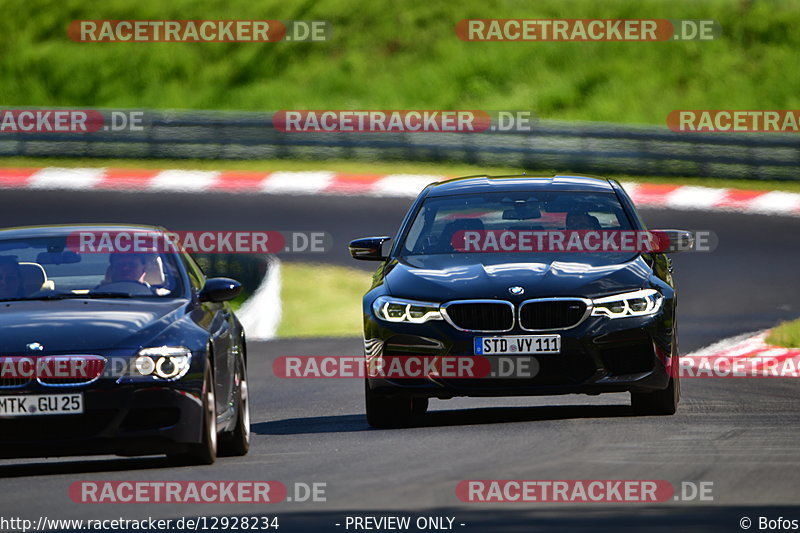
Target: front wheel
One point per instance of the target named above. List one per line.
(662, 402)
(237, 442)
(386, 411)
(205, 452)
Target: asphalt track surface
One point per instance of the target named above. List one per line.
(741, 434)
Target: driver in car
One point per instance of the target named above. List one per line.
(581, 220)
(125, 268)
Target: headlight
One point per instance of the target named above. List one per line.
(637, 303)
(399, 310)
(165, 362)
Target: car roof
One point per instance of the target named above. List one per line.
(63, 230)
(486, 184)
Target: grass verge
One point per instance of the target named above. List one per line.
(787, 335)
(237, 302)
(309, 311)
(406, 55)
(378, 167)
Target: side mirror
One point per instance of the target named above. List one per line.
(368, 249)
(675, 240)
(220, 290)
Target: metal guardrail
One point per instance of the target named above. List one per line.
(595, 148)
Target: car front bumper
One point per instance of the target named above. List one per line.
(122, 419)
(633, 354)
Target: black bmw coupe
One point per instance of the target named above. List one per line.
(120, 352)
(597, 318)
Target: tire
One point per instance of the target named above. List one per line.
(662, 402)
(237, 442)
(205, 452)
(386, 411)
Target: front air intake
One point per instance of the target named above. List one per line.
(480, 315)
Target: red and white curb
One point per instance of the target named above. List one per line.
(749, 351)
(341, 183)
(714, 199)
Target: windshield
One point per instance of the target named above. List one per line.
(46, 268)
(441, 220)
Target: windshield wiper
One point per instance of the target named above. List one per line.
(74, 296)
(105, 295)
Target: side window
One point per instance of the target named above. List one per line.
(416, 230)
(628, 205)
(607, 219)
(196, 277)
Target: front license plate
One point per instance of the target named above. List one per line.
(41, 404)
(522, 345)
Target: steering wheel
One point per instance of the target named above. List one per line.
(130, 287)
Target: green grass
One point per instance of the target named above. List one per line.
(439, 169)
(405, 55)
(237, 302)
(786, 334)
(308, 311)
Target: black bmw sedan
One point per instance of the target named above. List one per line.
(470, 276)
(116, 350)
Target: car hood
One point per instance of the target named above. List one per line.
(442, 278)
(81, 326)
